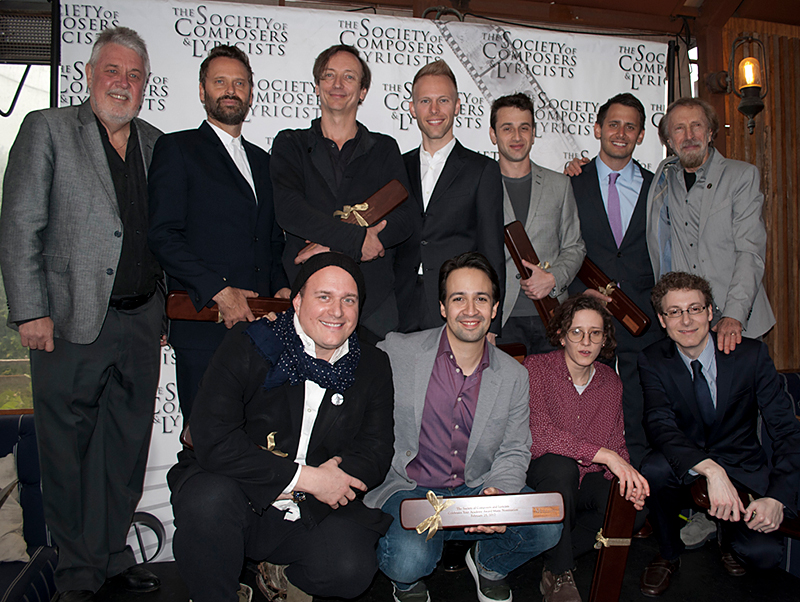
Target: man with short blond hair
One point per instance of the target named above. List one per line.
(458, 202)
(85, 293)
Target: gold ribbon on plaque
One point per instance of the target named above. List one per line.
(607, 289)
(271, 445)
(434, 522)
(354, 209)
(607, 542)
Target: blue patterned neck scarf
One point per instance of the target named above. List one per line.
(279, 344)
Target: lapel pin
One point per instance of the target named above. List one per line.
(337, 399)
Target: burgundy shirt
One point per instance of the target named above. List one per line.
(450, 403)
(570, 424)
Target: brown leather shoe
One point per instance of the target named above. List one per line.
(655, 578)
(732, 566)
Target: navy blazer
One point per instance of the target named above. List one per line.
(747, 384)
(628, 265)
(206, 228)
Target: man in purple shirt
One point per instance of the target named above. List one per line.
(453, 388)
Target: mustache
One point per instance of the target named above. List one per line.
(229, 97)
(121, 92)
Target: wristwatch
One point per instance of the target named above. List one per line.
(298, 496)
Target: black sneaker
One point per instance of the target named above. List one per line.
(488, 590)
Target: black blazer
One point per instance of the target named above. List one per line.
(629, 265)
(465, 213)
(233, 414)
(306, 197)
(746, 384)
(207, 230)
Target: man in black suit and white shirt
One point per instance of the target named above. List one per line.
(212, 222)
(459, 202)
(701, 415)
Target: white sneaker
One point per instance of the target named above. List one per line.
(698, 531)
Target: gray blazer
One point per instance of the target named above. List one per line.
(60, 228)
(732, 239)
(554, 229)
(499, 448)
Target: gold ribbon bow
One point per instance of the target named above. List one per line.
(271, 445)
(607, 289)
(433, 523)
(354, 209)
(544, 266)
(606, 542)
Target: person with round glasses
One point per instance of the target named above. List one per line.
(578, 434)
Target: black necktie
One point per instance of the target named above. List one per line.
(702, 394)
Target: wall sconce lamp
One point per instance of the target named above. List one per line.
(750, 83)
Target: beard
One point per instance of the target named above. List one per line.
(227, 115)
(692, 159)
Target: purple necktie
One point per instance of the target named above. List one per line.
(614, 214)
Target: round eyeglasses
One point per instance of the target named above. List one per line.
(576, 335)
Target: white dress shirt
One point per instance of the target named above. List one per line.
(313, 399)
(237, 153)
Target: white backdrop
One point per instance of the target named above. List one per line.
(569, 76)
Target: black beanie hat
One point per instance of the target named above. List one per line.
(323, 260)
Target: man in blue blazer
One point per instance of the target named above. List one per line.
(620, 129)
(701, 415)
(212, 222)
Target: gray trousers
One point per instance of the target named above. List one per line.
(93, 408)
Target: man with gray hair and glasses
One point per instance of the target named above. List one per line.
(84, 291)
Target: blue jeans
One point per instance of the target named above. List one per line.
(405, 556)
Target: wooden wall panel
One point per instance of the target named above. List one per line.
(773, 148)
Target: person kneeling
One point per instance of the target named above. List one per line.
(701, 410)
(461, 428)
(292, 422)
(578, 435)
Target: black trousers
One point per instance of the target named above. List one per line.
(216, 528)
(93, 408)
(584, 507)
(668, 495)
(528, 330)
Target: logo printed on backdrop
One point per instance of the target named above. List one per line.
(643, 67)
(391, 45)
(81, 23)
(202, 28)
(489, 55)
(285, 99)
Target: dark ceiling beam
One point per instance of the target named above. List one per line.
(715, 13)
(547, 12)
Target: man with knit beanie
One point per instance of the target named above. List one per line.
(293, 421)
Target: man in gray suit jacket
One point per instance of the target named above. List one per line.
(704, 218)
(84, 291)
(543, 201)
(461, 428)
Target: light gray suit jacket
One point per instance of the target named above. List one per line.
(60, 228)
(731, 242)
(554, 228)
(499, 448)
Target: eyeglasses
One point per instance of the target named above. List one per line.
(676, 312)
(576, 335)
